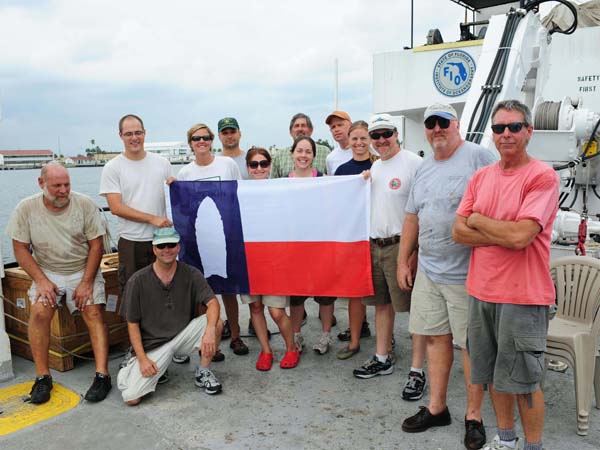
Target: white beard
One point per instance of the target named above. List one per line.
(57, 203)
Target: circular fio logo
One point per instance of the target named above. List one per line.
(453, 73)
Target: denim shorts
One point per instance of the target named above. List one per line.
(506, 344)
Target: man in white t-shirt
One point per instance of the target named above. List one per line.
(339, 124)
(230, 136)
(133, 184)
(65, 232)
(391, 180)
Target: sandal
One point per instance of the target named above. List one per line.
(265, 361)
(290, 360)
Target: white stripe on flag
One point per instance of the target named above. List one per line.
(305, 209)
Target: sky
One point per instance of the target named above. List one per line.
(69, 70)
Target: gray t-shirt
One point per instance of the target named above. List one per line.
(60, 240)
(241, 163)
(436, 192)
(163, 311)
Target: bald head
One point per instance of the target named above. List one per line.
(55, 183)
(52, 168)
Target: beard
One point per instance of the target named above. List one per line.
(56, 202)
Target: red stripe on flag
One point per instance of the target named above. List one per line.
(338, 269)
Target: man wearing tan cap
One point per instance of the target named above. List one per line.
(339, 124)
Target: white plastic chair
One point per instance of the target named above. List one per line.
(573, 333)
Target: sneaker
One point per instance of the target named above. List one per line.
(373, 367)
(207, 380)
(226, 333)
(164, 378)
(40, 391)
(322, 346)
(99, 388)
(238, 347)
(365, 331)
(299, 341)
(496, 445)
(414, 387)
(181, 359)
(557, 366)
(252, 331)
(347, 352)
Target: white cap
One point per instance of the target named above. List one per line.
(381, 122)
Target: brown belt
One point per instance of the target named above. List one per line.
(384, 242)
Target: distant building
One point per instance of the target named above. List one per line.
(22, 159)
(103, 158)
(80, 161)
(175, 152)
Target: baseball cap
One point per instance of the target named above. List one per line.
(228, 122)
(440, 110)
(165, 236)
(340, 114)
(381, 122)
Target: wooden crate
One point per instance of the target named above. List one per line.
(67, 333)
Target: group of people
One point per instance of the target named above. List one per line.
(448, 236)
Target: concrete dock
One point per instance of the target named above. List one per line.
(318, 405)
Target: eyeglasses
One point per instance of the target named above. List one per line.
(513, 127)
(386, 134)
(441, 121)
(167, 245)
(201, 138)
(254, 164)
(137, 133)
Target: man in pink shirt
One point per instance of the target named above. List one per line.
(506, 215)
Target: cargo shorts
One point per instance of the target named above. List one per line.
(506, 345)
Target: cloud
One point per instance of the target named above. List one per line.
(75, 68)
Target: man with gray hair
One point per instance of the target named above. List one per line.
(440, 304)
(65, 231)
(506, 216)
(283, 164)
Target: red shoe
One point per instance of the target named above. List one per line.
(265, 361)
(290, 360)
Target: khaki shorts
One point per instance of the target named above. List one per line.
(384, 264)
(438, 309)
(271, 301)
(506, 345)
(66, 286)
(296, 300)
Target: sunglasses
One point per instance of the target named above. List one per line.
(254, 164)
(386, 134)
(201, 138)
(167, 245)
(513, 127)
(441, 121)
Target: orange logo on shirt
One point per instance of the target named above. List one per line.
(395, 183)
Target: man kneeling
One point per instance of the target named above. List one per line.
(162, 305)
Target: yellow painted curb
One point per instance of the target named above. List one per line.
(17, 414)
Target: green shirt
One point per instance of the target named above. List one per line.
(283, 163)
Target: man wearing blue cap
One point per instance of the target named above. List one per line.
(162, 305)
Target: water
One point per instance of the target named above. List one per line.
(15, 185)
